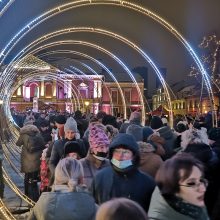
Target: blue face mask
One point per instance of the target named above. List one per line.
(121, 164)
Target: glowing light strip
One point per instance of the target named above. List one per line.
(121, 3)
(111, 74)
(6, 7)
(121, 38)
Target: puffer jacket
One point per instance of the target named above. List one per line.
(77, 205)
(32, 146)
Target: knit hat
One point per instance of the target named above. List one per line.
(214, 134)
(145, 147)
(156, 122)
(60, 119)
(70, 125)
(98, 136)
(147, 132)
(135, 116)
(70, 147)
(136, 131)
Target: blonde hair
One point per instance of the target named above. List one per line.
(69, 172)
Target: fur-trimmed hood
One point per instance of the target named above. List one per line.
(145, 147)
(29, 130)
(194, 136)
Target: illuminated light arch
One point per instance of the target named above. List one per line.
(109, 72)
(114, 35)
(121, 3)
(115, 58)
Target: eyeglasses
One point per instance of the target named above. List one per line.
(195, 184)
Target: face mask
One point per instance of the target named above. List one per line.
(100, 155)
(121, 164)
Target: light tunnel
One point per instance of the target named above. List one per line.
(8, 76)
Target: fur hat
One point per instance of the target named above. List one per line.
(70, 125)
(60, 119)
(147, 132)
(70, 147)
(194, 136)
(98, 135)
(136, 131)
(156, 122)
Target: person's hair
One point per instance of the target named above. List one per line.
(168, 175)
(120, 208)
(68, 172)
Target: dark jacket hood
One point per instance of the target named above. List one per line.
(128, 142)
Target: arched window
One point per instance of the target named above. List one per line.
(34, 90)
(48, 90)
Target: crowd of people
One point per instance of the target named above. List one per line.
(104, 168)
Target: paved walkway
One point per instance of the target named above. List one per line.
(13, 202)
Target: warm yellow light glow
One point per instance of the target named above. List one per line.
(42, 88)
(19, 91)
(86, 103)
(1, 102)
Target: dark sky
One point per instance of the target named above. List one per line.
(192, 18)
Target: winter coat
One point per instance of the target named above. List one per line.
(58, 153)
(170, 140)
(150, 161)
(61, 205)
(32, 146)
(91, 167)
(161, 210)
(135, 185)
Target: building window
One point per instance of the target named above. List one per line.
(114, 96)
(127, 94)
(48, 90)
(115, 111)
(184, 105)
(176, 105)
(190, 103)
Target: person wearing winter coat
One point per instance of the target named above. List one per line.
(69, 199)
(135, 118)
(70, 130)
(122, 178)
(166, 133)
(96, 157)
(150, 162)
(32, 146)
(180, 192)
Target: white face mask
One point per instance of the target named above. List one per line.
(99, 158)
(121, 164)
